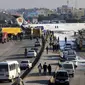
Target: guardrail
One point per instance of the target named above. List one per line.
(34, 63)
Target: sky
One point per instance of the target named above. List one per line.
(51, 4)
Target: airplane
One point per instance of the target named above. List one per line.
(62, 27)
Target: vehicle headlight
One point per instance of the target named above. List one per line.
(67, 80)
(57, 80)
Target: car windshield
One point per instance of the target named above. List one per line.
(71, 52)
(34, 48)
(69, 59)
(37, 42)
(61, 74)
(68, 44)
(24, 61)
(31, 51)
(67, 66)
(3, 68)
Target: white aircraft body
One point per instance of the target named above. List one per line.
(61, 26)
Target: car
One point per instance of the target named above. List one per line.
(69, 55)
(31, 53)
(69, 67)
(25, 64)
(60, 77)
(37, 43)
(34, 48)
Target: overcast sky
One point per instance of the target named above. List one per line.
(13, 4)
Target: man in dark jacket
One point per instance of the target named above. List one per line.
(49, 69)
(45, 68)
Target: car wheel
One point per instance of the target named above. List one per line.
(67, 84)
(11, 80)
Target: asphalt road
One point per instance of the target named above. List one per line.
(14, 50)
(79, 78)
(33, 78)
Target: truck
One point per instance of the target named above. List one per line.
(37, 32)
(33, 32)
(12, 30)
(28, 32)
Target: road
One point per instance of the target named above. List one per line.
(33, 78)
(14, 50)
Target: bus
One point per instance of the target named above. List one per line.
(9, 70)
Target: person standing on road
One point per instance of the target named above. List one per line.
(25, 52)
(53, 47)
(45, 68)
(58, 39)
(47, 49)
(40, 68)
(49, 69)
(65, 39)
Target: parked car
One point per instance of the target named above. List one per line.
(26, 64)
(60, 77)
(37, 43)
(31, 53)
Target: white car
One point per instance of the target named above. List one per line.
(37, 43)
(69, 67)
(25, 64)
(70, 54)
(31, 53)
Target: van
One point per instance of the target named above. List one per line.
(9, 70)
(69, 67)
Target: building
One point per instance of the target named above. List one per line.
(78, 13)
